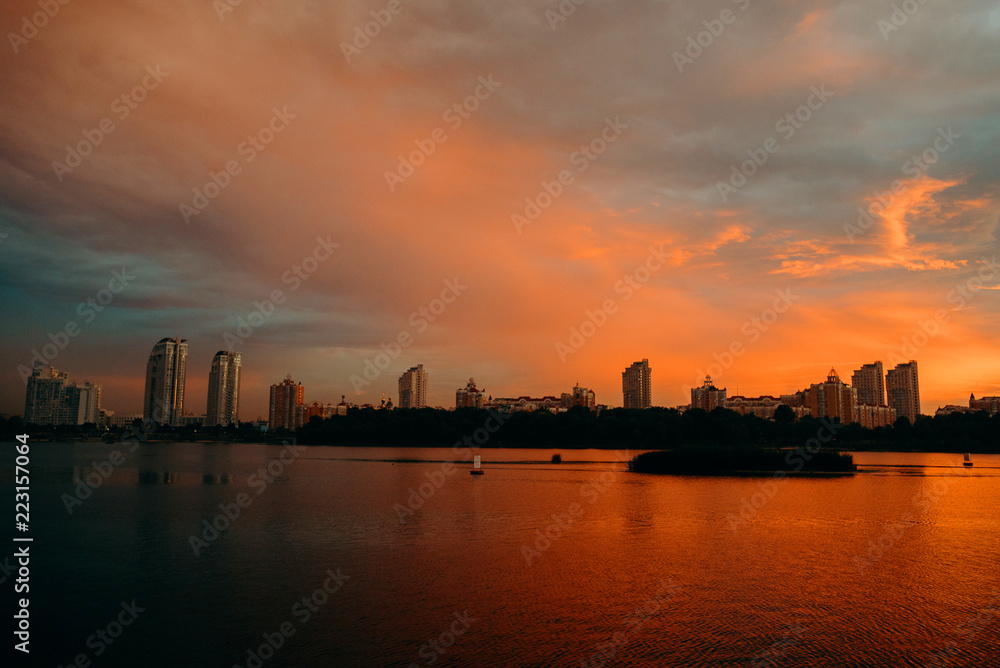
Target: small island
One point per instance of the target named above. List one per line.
(741, 461)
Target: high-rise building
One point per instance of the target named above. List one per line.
(286, 397)
(413, 388)
(469, 396)
(44, 397)
(902, 386)
(708, 396)
(869, 381)
(51, 399)
(636, 392)
(81, 404)
(224, 389)
(164, 399)
(832, 399)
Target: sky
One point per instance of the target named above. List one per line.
(534, 194)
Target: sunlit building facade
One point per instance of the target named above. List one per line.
(413, 388)
(636, 392)
(869, 381)
(224, 389)
(469, 396)
(902, 386)
(164, 395)
(286, 397)
(708, 396)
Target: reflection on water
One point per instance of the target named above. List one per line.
(896, 565)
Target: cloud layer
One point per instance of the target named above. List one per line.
(756, 147)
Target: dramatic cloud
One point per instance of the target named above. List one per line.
(690, 162)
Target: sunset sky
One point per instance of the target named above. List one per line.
(643, 109)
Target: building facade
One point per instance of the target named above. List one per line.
(708, 396)
(286, 397)
(164, 396)
(51, 399)
(224, 390)
(636, 392)
(989, 404)
(832, 399)
(413, 388)
(869, 381)
(469, 396)
(580, 396)
(902, 385)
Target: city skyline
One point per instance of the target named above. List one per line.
(862, 400)
(808, 184)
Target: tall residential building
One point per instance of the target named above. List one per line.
(51, 399)
(832, 399)
(224, 389)
(708, 396)
(43, 398)
(413, 388)
(869, 381)
(469, 396)
(286, 397)
(635, 385)
(164, 399)
(902, 386)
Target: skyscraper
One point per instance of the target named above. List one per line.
(903, 388)
(224, 389)
(286, 397)
(869, 381)
(635, 385)
(413, 388)
(164, 400)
